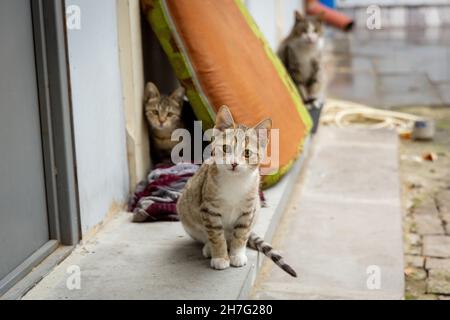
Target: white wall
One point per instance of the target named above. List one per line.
(274, 17)
(98, 113)
(132, 70)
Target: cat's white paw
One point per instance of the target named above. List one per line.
(318, 104)
(206, 251)
(220, 263)
(238, 260)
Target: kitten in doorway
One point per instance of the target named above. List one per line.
(220, 203)
(164, 116)
(301, 53)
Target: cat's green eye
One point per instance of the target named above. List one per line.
(170, 114)
(155, 112)
(226, 148)
(247, 153)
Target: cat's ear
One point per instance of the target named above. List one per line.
(224, 119)
(263, 131)
(321, 17)
(178, 95)
(298, 16)
(151, 91)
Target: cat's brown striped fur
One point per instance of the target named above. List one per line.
(220, 203)
(163, 114)
(302, 55)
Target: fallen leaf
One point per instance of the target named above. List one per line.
(430, 156)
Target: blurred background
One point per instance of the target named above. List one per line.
(397, 56)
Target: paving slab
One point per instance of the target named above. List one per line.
(407, 90)
(344, 221)
(354, 86)
(414, 261)
(428, 224)
(415, 274)
(439, 281)
(415, 288)
(443, 201)
(435, 263)
(426, 207)
(436, 246)
(127, 260)
(356, 64)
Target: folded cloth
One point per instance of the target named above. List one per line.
(156, 198)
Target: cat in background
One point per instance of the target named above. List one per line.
(301, 53)
(221, 202)
(164, 116)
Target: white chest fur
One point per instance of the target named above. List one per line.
(234, 192)
(305, 54)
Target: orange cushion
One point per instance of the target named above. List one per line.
(222, 59)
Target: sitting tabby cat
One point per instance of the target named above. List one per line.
(164, 116)
(220, 203)
(301, 53)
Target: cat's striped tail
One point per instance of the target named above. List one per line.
(255, 242)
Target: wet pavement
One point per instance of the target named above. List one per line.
(409, 70)
(390, 68)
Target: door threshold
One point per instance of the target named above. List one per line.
(24, 277)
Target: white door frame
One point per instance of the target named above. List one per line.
(132, 72)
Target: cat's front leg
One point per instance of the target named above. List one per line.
(238, 243)
(217, 244)
(316, 86)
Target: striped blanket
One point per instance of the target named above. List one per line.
(156, 198)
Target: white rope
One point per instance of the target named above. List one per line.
(345, 114)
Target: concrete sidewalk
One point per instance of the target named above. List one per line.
(345, 217)
(341, 216)
(126, 260)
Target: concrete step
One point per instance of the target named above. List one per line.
(158, 260)
(342, 231)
